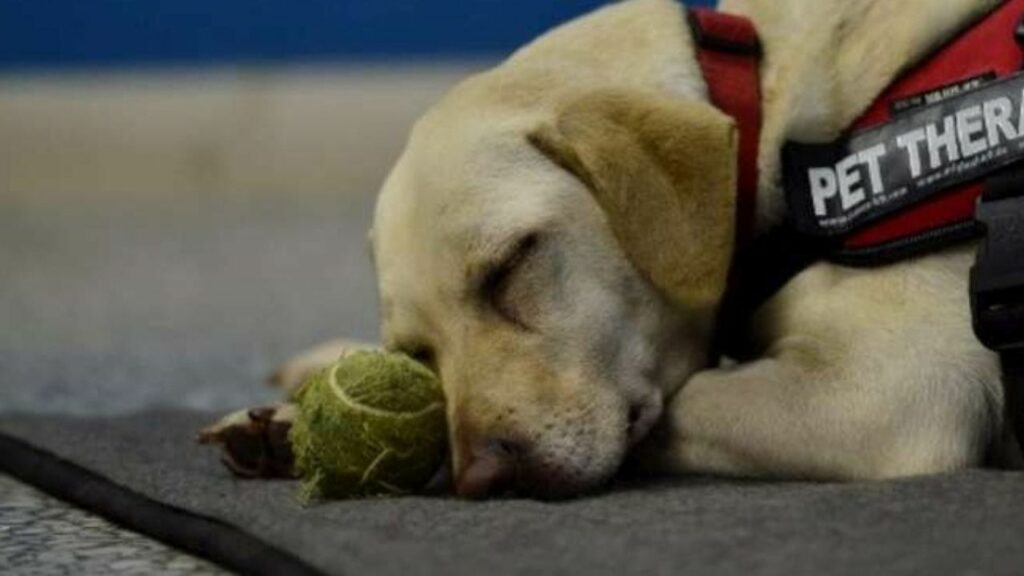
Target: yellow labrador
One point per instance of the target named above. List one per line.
(525, 249)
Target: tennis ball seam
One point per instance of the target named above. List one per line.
(332, 381)
(368, 473)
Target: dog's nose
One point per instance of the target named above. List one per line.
(490, 470)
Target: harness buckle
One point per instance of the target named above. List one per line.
(997, 278)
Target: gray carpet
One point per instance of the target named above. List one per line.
(114, 307)
(970, 523)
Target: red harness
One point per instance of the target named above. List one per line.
(989, 46)
(729, 55)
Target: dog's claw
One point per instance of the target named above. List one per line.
(255, 441)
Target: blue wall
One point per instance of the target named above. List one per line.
(46, 33)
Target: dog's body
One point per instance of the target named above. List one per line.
(530, 244)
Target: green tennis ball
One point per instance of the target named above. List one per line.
(371, 424)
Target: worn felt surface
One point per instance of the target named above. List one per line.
(968, 523)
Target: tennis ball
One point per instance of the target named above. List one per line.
(373, 423)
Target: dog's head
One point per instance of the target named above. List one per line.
(558, 262)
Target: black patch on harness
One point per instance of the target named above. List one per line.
(939, 94)
(833, 189)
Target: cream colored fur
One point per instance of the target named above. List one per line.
(862, 374)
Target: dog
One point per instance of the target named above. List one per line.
(528, 250)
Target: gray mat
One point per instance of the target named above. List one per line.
(968, 523)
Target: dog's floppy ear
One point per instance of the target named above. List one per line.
(664, 172)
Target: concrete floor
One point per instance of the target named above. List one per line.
(41, 535)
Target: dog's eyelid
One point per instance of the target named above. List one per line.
(513, 253)
(495, 278)
(495, 273)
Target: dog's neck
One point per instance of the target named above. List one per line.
(826, 61)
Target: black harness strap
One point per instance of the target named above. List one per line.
(997, 285)
(1013, 387)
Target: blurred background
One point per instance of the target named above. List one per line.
(186, 185)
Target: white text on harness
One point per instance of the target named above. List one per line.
(921, 151)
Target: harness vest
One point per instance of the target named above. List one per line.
(937, 159)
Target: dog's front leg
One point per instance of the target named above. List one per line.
(864, 374)
(777, 417)
(770, 418)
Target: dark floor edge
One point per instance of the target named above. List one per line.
(202, 536)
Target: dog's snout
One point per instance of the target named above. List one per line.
(490, 470)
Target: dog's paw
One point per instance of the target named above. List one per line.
(255, 441)
(290, 375)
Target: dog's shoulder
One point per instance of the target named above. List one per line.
(829, 59)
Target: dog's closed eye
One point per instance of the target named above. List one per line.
(499, 289)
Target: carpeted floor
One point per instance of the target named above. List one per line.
(968, 523)
(112, 307)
